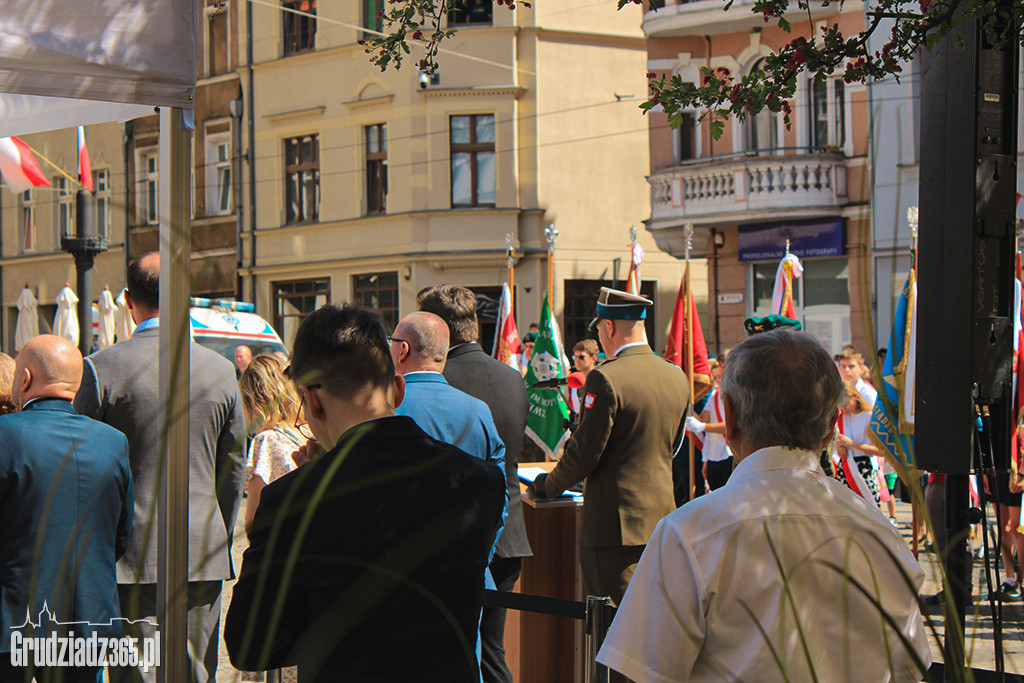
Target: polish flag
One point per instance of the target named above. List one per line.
(19, 166)
(84, 167)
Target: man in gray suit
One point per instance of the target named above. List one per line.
(120, 387)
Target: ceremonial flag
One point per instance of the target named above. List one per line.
(636, 255)
(782, 295)
(19, 166)
(677, 349)
(507, 345)
(892, 419)
(546, 422)
(1016, 437)
(84, 167)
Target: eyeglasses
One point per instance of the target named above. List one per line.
(581, 356)
(303, 428)
(396, 339)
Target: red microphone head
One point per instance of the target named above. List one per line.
(577, 380)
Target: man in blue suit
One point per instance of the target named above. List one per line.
(419, 348)
(66, 502)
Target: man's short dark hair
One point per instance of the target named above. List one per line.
(143, 286)
(343, 348)
(457, 307)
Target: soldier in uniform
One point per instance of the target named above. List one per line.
(631, 422)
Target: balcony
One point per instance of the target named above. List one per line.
(738, 189)
(709, 17)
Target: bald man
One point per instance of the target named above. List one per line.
(419, 348)
(66, 502)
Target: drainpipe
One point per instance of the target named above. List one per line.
(251, 154)
(236, 114)
(707, 63)
(129, 136)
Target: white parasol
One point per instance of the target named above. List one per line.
(28, 318)
(108, 311)
(124, 326)
(65, 323)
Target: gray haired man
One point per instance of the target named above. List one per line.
(783, 572)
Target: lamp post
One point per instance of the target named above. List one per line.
(84, 244)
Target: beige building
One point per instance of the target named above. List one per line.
(762, 183)
(371, 186)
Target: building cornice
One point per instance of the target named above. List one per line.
(370, 102)
(475, 91)
(297, 114)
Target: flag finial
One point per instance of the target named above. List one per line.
(688, 232)
(632, 234)
(552, 236)
(787, 246)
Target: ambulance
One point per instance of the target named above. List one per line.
(224, 324)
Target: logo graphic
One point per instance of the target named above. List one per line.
(545, 366)
(588, 400)
(62, 647)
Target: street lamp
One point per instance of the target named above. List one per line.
(84, 243)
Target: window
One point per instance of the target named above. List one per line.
(828, 114)
(373, 16)
(378, 291)
(218, 174)
(302, 179)
(101, 183)
(761, 131)
(148, 180)
(470, 12)
(821, 297)
(376, 168)
(487, 299)
(687, 135)
(27, 215)
(296, 299)
(580, 304)
(472, 148)
(299, 30)
(65, 220)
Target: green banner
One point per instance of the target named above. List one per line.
(548, 416)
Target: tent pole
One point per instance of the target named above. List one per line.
(175, 276)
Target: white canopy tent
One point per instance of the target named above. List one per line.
(115, 61)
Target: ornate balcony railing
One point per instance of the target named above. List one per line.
(738, 188)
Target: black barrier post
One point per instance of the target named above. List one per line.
(598, 621)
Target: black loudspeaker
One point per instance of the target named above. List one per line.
(966, 248)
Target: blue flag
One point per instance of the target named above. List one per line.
(892, 419)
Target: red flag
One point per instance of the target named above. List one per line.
(84, 167)
(677, 349)
(19, 166)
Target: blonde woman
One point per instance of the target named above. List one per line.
(272, 411)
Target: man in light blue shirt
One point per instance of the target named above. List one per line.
(419, 347)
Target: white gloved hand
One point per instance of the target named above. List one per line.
(694, 425)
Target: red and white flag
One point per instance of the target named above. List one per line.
(84, 167)
(507, 345)
(782, 295)
(677, 348)
(636, 255)
(19, 166)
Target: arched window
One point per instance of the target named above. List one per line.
(761, 132)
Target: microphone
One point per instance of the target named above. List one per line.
(575, 380)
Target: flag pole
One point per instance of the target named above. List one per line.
(687, 308)
(912, 214)
(511, 273)
(552, 235)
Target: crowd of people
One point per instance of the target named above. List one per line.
(381, 498)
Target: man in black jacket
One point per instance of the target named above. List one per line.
(367, 563)
(470, 369)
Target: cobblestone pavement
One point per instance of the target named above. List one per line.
(980, 641)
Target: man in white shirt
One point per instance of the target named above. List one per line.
(783, 571)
